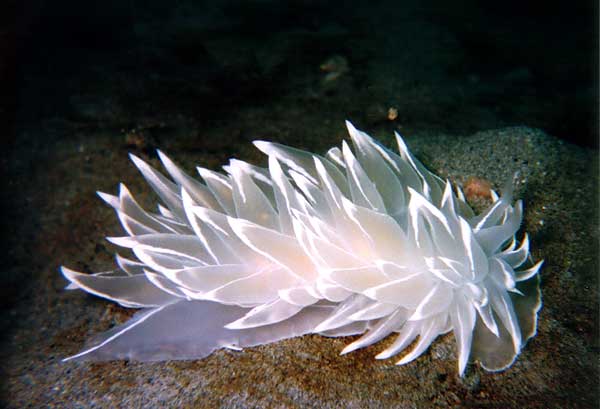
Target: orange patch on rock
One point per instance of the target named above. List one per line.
(477, 188)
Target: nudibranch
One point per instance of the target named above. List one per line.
(358, 241)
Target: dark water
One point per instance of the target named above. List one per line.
(455, 67)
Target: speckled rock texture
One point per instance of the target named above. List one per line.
(64, 223)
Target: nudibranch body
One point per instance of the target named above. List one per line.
(361, 241)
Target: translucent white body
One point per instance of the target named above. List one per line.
(355, 242)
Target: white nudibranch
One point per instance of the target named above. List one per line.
(360, 241)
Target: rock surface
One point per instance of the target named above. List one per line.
(64, 223)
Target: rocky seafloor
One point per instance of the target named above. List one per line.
(556, 369)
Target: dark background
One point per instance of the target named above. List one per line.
(481, 64)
